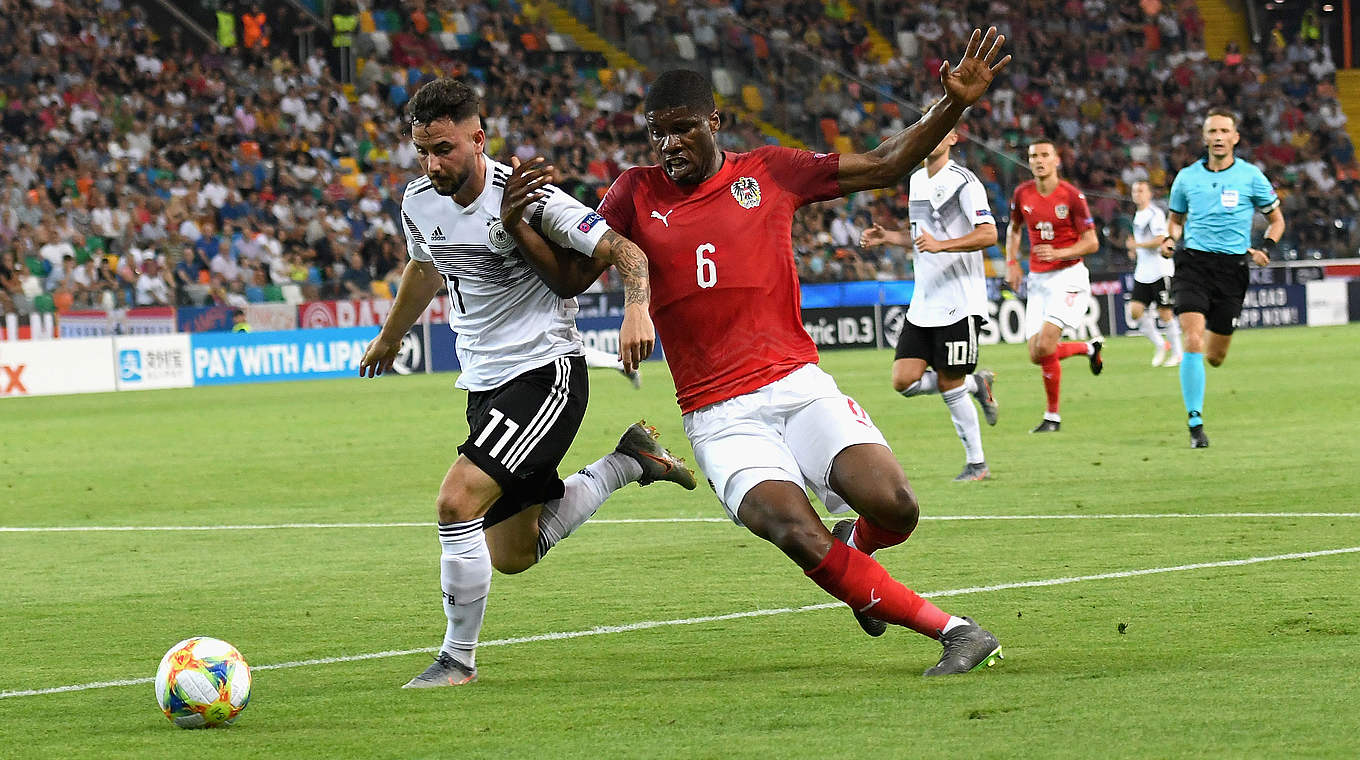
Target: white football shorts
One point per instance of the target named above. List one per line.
(1060, 296)
(791, 429)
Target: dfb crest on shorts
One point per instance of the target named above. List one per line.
(1060, 211)
(747, 192)
(499, 238)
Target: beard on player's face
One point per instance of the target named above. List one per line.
(451, 152)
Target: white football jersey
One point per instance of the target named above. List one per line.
(953, 285)
(1152, 265)
(507, 320)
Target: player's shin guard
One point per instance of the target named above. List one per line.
(1192, 386)
(1052, 381)
(858, 580)
(928, 383)
(465, 580)
(1147, 326)
(965, 417)
(583, 493)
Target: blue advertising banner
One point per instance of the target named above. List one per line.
(441, 353)
(193, 319)
(227, 358)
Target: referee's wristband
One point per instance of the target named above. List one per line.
(1267, 245)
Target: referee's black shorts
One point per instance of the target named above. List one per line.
(519, 433)
(1212, 284)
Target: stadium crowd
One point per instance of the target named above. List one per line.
(143, 170)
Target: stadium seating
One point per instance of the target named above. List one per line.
(153, 145)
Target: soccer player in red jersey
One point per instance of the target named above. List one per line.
(764, 420)
(1061, 232)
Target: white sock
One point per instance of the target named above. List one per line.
(1173, 336)
(1148, 327)
(465, 579)
(954, 622)
(1053, 416)
(585, 492)
(604, 359)
(970, 383)
(965, 417)
(929, 383)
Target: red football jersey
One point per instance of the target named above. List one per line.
(1057, 219)
(725, 298)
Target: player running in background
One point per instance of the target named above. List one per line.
(1152, 277)
(1212, 205)
(1061, 232)
(502, 504)
(765, 421)
(597, 359)
(951, 222)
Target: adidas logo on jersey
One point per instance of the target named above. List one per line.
(438, 234)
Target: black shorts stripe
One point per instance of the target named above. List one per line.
(543, 421)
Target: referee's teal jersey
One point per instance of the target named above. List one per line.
(1218, 205)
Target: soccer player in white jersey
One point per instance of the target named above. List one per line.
(502, 504)
(1152, 278)
(951, 222)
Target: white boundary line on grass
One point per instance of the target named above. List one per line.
(648, 520)
(646, 624)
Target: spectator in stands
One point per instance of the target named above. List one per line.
(153, 289)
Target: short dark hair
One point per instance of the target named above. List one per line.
(443, 98)
(1043, 140)
(680, 88)
(1224, 112)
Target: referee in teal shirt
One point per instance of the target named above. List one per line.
(1212, 204)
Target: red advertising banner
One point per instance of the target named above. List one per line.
(314, 314)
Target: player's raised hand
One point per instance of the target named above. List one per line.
(379, 357)
(873, 236)
(527, 184)
(966, 82)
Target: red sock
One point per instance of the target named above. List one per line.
(869, 538)
(856, 579)
(1071, 348)
(1052, 380)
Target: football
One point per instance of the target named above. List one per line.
(202, 682)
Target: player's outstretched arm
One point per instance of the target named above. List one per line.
(419, 282)
(1013, 271)
(892, 160)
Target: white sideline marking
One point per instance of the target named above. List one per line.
(646, 520)
(646, 624)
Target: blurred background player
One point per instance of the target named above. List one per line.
(1152, 278)
(502, 503)
(1061, 231)
(1212, 205)
(951, 222)
(597, 359)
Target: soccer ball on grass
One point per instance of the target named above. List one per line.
(202, 682)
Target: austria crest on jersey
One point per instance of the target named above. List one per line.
(1060, 210)
(747, 192)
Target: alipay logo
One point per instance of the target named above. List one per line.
(130, 365)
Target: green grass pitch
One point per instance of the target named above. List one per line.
(1204, 659)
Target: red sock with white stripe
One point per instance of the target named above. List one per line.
(869, 538)
(858, 580)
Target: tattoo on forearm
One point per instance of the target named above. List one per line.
(632, 265)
